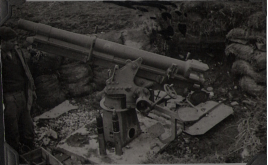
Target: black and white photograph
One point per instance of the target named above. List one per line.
(133, 82)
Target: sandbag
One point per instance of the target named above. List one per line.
(44, 90)
(237, 33)
(245, 35)
(82, 82)
(46, 64)
(48, 91)
(45, 79)
(100, 77)
(259, 60)
(79, 88)
(73, 72)
(241, 67)
(52, 100)
(244, 52)
(81, 91)
(251, 87)
(46, 84)
(257, 21)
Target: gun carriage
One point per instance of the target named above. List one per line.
(130, 87)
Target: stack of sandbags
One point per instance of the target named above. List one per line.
(76, 79)
(44, 63)
(248, 45)
(48, 91)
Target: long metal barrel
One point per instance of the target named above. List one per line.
(114, 49)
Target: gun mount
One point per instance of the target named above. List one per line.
(130, 86)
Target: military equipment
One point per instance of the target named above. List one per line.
(130, 86)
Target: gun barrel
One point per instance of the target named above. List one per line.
(112, 49)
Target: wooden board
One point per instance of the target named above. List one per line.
(57, 111)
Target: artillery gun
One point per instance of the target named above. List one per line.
(129, 91)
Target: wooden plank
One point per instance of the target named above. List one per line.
(40, 155)
(57, 111)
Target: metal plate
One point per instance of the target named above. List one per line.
(210, 120)
(156, 130)
(190, 114)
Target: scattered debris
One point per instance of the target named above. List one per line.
(51, 133)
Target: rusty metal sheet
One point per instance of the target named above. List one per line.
(210, 120)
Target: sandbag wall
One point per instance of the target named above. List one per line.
(58, 79)
(248, 46)
(76, 78)
(199, 26)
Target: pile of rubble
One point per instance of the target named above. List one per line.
(56, 124)
(248, 46)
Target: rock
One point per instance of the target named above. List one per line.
(181, 56)
(249, 102)
(234, 103)
(46, 141)
(230, 96)
(196, 86)
(222, 90)
(244, 153)
(51, 133)
(211, 95)
(209, 89)
(186, 140)
(42, 136)
(72, 101)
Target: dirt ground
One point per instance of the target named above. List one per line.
(216, 146)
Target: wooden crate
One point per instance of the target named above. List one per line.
(40, 157)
